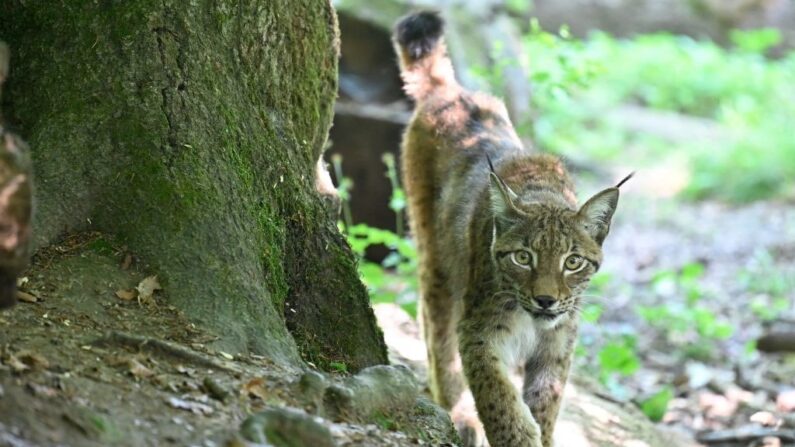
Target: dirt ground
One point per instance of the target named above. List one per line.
(725, 393)
(746, 258)
(88, 364)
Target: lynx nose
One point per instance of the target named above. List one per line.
(545, 301)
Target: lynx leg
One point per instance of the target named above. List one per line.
(545, 377)
(507, 420)
(438, 320)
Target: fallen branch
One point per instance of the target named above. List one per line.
(776, 342)
(744, 434)
(161, 347)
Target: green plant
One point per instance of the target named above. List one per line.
(340, 367)
(685, 320)
(619, 356)
(618, 359)
(737, 92)
(655, 406)
(394, 280)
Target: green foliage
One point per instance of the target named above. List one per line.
(769, 309)
(743, 96)
(394, 280)
(619, 356)
(655, 406)
(770, 284)
(340, 367)
(688, 320)
(756, 41)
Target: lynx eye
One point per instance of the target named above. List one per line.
(574, 262)
(522, 258)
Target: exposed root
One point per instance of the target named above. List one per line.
(161, 347)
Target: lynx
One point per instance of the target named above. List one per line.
(504, 251)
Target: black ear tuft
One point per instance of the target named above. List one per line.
(625, 179)
(418, 33)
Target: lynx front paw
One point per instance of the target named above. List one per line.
(469, 427)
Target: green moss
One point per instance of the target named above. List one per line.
(101, 246)
(179, 131)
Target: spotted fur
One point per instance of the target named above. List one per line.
(504, 250)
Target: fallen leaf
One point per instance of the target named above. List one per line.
(256, 388)
(33, 360)
(716, 405)
(771, 441)
(193, 407)
(127, 262)
(16, 365)
(226, 355)
(190, 372)
(785, 402)
(138, 370)
(42, 390)
(26, 297)
(146, 289)
(764, 418)
(126, 294)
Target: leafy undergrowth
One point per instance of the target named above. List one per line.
(674, 314)
(722, 116)
(671, 320)
(95, 356)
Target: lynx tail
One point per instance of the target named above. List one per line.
(424, 63)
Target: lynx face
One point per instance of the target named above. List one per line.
(545, 259)
(545, 254)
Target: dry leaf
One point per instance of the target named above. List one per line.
(25, 360)
(16, 365)
(127, 262)
(146, 288)
(717, 405)
(138, 370)
(26, 297)
(126, 294)
(42, 390)
(33, 360)
(764, 418)
(226, 355)
(256, 388)
(785, 402)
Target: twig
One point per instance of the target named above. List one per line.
(744, 434)
(157, 346)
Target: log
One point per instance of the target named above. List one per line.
(776, 342)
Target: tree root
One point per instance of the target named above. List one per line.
(161, 347)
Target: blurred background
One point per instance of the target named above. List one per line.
(691, 317)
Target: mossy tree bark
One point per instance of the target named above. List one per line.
(191, 131)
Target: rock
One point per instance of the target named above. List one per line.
(286, 427)
(311, 387)
(377, 390)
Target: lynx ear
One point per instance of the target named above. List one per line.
(597, 212)
(502, 197)
(503, 210)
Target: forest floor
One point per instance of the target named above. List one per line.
(86, 363)
(693, 286)
(684, 292)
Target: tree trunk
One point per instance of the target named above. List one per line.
(192, 132)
